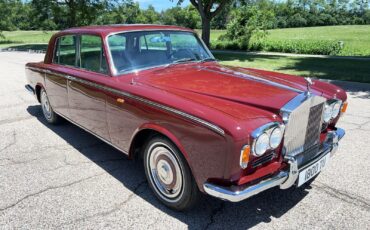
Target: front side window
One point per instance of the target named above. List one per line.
(137, 50)
(65, 53)
(92, 54)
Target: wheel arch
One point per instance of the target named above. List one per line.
(148, 130)
(38, 88)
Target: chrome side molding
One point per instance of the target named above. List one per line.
(188, 116)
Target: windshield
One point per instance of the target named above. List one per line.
(137, 50)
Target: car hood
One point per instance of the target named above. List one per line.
(207, 82)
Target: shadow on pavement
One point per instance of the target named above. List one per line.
(356, 89)
(209, 213)
(39, 48)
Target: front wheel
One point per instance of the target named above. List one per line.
(169, 175)
(49, 114)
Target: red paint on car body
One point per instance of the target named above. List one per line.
(220, 95)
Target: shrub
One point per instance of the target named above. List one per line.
(246, 22)
(297, 20)
(285, 46)
(297, 46)
(228, 45)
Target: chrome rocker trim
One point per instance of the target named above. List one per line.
(284, 179)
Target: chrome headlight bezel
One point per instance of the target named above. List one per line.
(331, 110)
(336, 109)
(263, 134)
(276, 137)
(261, 144)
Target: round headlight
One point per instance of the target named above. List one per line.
(261, 145)
(275, 138)
(336, 109)
(328, 111)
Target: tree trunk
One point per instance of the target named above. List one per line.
(206, 30)
(72, 21)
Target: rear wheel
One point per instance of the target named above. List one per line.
(49, 114)
(169, 175)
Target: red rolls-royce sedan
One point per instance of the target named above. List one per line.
(156, 93)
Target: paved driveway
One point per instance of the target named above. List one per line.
(61, 176)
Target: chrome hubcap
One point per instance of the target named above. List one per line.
(165, 172)
(45, 105)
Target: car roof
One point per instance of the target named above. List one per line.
(107, 29)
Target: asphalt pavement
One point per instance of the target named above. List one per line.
(63, 177)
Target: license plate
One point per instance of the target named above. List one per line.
(313, 170)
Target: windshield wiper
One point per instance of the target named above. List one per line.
(183, 60)
(208, 59)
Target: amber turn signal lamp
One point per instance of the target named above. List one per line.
(244, 156)
(120, 100)
(344, 107)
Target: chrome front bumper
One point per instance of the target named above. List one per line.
(284, 179)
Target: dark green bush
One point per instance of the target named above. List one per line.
(284, 46)
(297, 46)
(228, 45)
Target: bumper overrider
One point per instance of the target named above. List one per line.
(283, 179)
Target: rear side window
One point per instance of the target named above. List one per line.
(92, 54)
(65, 53)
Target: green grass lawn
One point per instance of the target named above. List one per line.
(356, 38)
(13, 38)
(339, 69)
(328, 68)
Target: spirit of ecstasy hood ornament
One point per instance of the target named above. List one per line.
(309, 83)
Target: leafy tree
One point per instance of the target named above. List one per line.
(207, 9)
(42, 14)
(222, 19)
(150, 16)
(14, 15)
(187, 17)
(367, 17)
(297, 21)
(248, 21)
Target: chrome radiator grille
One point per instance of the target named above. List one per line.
(303, 126)
(313, 127)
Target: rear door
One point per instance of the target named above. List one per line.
(65, 56)
(86, 100)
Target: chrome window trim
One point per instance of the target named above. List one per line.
(113, 69)
(131, 96)
(55, 49)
